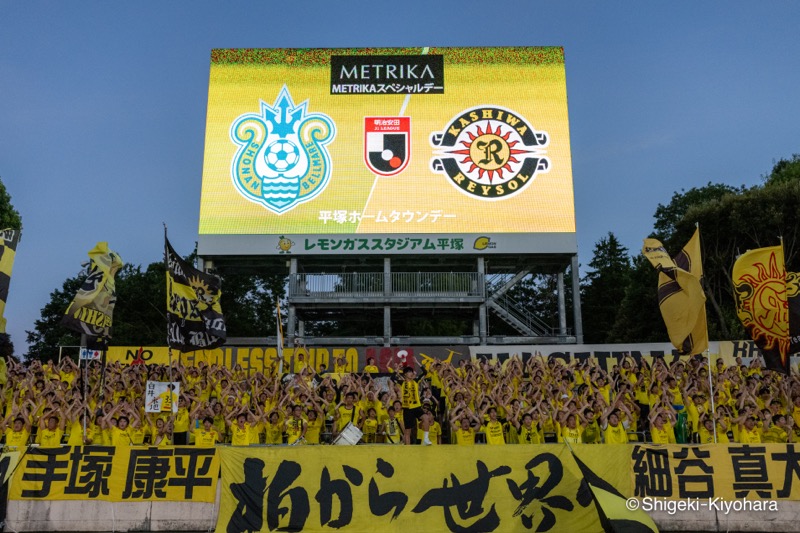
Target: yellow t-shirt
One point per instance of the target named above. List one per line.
(240, 436)
(393, 431)
(313, 430)
(776, 435)
(294, 430)
(347, 415)
(410, 395)
(76, 433)
(660, 436)
(465, 437)
(17, 439)
(206, 438)
(274, 433)
(573, 436)
(749, 436)
(615, 435)
(120, 437)
(529, 436)
(494, 433)
(181, 420)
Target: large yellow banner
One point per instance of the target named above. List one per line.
(735, 471)
(386, 488)
(119, 474)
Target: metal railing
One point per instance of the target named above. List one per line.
(380, 284)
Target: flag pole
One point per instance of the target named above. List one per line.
(280, 337)
(708, 354)
(169, 345)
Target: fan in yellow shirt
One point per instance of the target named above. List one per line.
(207, 435)
(615, 431)
(51, 430)
(660, 430)
(18, 433)
(240, 428)
(529, 432)
(494, 429)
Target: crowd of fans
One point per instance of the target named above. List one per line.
(470, 402)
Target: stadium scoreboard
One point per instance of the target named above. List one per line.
(387, 151)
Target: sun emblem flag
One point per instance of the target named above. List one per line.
(282, 158)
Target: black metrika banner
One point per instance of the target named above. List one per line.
(194, 314)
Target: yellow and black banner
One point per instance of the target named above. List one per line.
(388, 488)
(759, 281)
(8, 251)
(735, 471)
(194, 314)
(680, 294)
(122, 474)
(92, 309)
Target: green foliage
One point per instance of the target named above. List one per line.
(48, 334)
(6, 346)
(784, 171)
(248, 302)
(638, 317)
(603, 288)
(669, 215)
(9, 216)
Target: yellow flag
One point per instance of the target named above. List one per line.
(759, 280)
(680, 294)
(8, 250)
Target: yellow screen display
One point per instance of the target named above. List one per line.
(387, 141)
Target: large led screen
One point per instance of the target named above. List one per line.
(309, 143)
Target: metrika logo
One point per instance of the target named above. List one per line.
(490, 152)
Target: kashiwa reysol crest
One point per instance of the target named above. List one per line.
(490, 153)
(283, 159)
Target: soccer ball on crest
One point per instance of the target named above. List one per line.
(282, 155)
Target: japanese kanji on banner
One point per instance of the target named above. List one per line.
(119, 474)
(162, 396)
(755, 472)
(387, 488)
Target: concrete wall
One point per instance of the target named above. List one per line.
(182, 516)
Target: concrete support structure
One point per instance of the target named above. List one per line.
(576, 300)
(562, 307)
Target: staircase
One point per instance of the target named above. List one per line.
(512, 311)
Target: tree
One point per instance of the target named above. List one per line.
(603, 288)
(784, 171)
(639, 317)
(9, 216)
(48, 333)
(669, 215)
(248, 302)
(6, 346)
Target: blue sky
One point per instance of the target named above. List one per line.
(103, 106)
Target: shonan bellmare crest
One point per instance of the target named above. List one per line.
(282, 159)
(490, 152)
